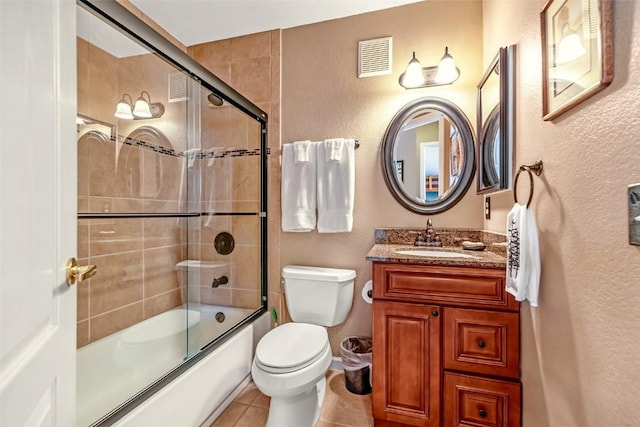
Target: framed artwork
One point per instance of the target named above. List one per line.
(577, 52)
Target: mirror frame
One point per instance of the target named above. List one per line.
(503, 64)
(456, 192)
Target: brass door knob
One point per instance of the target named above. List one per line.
(78, 273)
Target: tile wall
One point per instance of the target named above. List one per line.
(251, 65)
(136, 258)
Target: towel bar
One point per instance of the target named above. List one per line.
(535, 168)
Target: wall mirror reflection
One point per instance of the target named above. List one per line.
(427, 155)
(495, 112)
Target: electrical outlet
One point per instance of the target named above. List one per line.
(487, 208)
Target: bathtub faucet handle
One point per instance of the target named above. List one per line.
(222, 280)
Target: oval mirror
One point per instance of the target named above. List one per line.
(428, 155)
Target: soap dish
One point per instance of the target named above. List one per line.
(473, 246)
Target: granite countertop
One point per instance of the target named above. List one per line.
(390, 240)
(387, 253)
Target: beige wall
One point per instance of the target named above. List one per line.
(322, 97)
(580, 346)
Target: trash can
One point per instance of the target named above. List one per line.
(355, 353)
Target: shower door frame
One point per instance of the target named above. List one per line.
(128, 23)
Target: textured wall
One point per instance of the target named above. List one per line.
(580, 347)
(323, 98)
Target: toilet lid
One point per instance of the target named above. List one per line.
(291, 346)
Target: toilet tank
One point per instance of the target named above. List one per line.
(318, 295)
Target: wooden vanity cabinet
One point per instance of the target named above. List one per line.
(446, 347)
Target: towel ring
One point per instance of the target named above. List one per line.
(530, 169)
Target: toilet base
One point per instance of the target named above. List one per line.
(302, 410)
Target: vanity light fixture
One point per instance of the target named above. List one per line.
(417, 76)
(142, 109)
(570, 46)
(123, 109)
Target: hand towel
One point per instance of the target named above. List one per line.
(333, 149)
(523, 255)
(336, 189)
(301, 151)
(298, 196)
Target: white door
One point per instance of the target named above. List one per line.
(37, 212)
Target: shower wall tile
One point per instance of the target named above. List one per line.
(276, 38)
(160, 274)
(246, 206)
(161, 303)
(246, 230)
(160, 232)
(211, 53)
(215, 296)
(83, 238)
(118, 283)
(246, 180)
(110, 236)
(114, 321)
(82, 333)
(248, 78)
(245, 299)
(251, 46)
(83, 296)
(246, 260)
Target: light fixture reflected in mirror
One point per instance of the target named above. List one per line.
(123, 109)
(417, 76)
(570, 46)
(142, 109)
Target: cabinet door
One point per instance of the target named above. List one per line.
(406, 364)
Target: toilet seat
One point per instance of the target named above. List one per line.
(291, 347)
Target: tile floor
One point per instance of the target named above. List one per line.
(341, 408)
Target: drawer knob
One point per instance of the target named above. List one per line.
(482, 413)
(435, 313)
(481, 344)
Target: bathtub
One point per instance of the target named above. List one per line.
(117, 367)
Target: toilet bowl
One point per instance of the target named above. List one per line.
(291, 361)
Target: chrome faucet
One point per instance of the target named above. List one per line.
(431, 237)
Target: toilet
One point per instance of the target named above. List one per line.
(291, 361)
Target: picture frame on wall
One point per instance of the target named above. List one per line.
(577, 52)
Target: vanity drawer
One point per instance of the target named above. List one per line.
(483, 342)
(461, 286)
(473, 401)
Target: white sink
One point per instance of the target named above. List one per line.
(433, 253)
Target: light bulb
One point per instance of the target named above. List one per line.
(413, 76)
(447, 70)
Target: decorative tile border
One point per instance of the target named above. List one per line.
(202, 154)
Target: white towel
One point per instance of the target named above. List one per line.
(298, 196)
(523, 255)
(301, 151)
(336, 189)
(333, 149)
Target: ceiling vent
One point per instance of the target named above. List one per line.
(177, 87)
(374, 57)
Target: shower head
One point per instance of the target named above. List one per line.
(214, 100)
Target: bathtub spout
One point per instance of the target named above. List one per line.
(222, 280)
